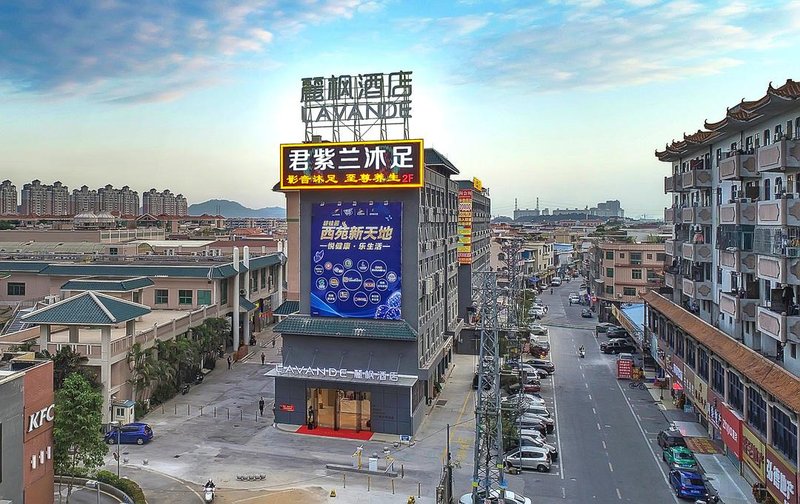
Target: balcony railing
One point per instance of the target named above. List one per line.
(737, 165)
(672, 278)
(779, 156)
(782, 242)
(740, 308)
(696, 179)
(697, 289)
(778, 325)
(673, 247)
(741, 212)
(779, 269)
(672, 215)
(696, 215)
(697, 252)
(783, 211)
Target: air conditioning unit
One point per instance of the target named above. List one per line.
(744, 200)
(242, 292)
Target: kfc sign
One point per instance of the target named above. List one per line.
(780, 479)
(730, 427)
(38, 418)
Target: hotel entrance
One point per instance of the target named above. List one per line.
(339, 409)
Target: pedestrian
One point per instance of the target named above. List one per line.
(263, 358)
(274, 416)
(230, 361)
(310, 417)
(261, 406)
(551, 290)
(273, 342)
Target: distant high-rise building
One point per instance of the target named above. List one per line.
(8, 198)
(164, 203)
(83, 200)
(38, 199)
(122, 201)
(610, 208)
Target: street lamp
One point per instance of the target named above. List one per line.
(116, 425)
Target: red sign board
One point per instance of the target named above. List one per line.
(730, 426)
(287, 407)
(781, 479)
(624, 369)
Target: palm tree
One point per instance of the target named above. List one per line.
(65, 362)
(144, 370)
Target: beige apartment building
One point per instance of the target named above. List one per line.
(8, 198)
(619, 271)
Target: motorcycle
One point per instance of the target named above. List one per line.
(184, 388)
(582, 353)
(708, 499)
(208, 492)
(198, 378)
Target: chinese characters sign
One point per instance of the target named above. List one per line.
(464, 226)
(781, 479)
(730, 427)
(356, 374)
(355, 260)
(390, 163)
(753, 452)
(356, 103)
(624, 369)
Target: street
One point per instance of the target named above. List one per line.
(605, 433)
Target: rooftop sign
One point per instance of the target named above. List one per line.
(348, 165)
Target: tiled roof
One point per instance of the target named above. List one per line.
(246, 305)
(99, 285)
(436, 158)
(346, 328)
(287, 308)
(766, 374)
(88, 308)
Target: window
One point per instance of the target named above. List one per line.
(610, 272)
(609, 289)
(784, 433)
(661, 257)
(717, 376)
(203, 297)
(679, 345)
(113, 251)
(735, 391)
(263, 278)
(756, 410)
(636, 274)
(629, 291)
(636, 258)
(622, 255)
(185, 297)
(162, 296)
(16, 289)
(610, 255)
(649, 257)
(690, 353)
(702, 363)
(766, 136)
(223, 291)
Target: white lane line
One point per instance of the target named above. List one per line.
(647, 442)
(563, 493)
(604, 445)
(619, 494)
(610, 467)
(594, 411)
(598, 427)
(558, 434)
(586, 385)
(590, 397)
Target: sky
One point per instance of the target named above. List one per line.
(564, 100)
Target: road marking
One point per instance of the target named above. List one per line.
(590, 397)
(594, 411)
(604, 445)
(558, 434)
(598, 426)
(619, 495)
(647, 442)
(610, 467)
(563, 493)
(586, 385)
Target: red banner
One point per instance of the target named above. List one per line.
(781, 478)
(624, 369)
(287, 407)
(730, 427)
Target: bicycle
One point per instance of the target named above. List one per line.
(637, 384)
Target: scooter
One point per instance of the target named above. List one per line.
(582, 353)
(184, 388)
(208, 494)
(708, 499)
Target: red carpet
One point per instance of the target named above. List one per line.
(341, 433)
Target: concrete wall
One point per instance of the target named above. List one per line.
(38, 394)
(11, 424)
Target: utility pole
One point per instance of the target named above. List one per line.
(512, 249)
(488, 481)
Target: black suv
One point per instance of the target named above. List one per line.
(619, 346)
(670, 438)
(616, 332)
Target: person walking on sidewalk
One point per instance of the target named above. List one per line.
(261, 406)
(273, 342)
(263, 358)
(230, 361)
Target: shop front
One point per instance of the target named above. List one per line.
(781, 478)
(714, 420)
(675, 370)
(754, 457)
(730, 426)
(700, 398)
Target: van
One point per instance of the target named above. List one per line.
(555, 282)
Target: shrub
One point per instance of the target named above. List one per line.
(128, 486)
(163, 392)
(140, 409)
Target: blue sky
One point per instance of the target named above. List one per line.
(561, 100)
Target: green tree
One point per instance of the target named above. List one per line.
(145, 370)
(67, 361)
(77, 428)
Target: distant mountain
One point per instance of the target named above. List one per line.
(228, 208)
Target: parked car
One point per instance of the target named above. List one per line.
(529, 457)
(542, 364)
(574, 298)
(670, 438)
(538, 330)
(533, 433)
(510, 498)
(538, 409)
(525, 398)
(602, 327)
(137, 432)
(587, 313)
(679, 457)
(616, 347)
(687, 484)
(617, 332)
(537, 442)
(536, 311)
(604, 344)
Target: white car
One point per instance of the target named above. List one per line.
(574, 298)
(510, 498)
(537, 311)
(529, 457)
(532, 433)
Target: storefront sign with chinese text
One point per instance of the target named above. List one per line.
(464, 226)
(753, 452)
(356, 260)
(781, 479)
(353, 165)
(730, 427)
(329, 372)
(677, 370)
(713, 411)
(624, 369)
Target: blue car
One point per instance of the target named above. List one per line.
(139, 433)
(687, 484)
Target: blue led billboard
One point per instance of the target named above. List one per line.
(355, 260)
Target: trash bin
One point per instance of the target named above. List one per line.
(373, 464)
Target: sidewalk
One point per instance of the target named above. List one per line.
(718, 469)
